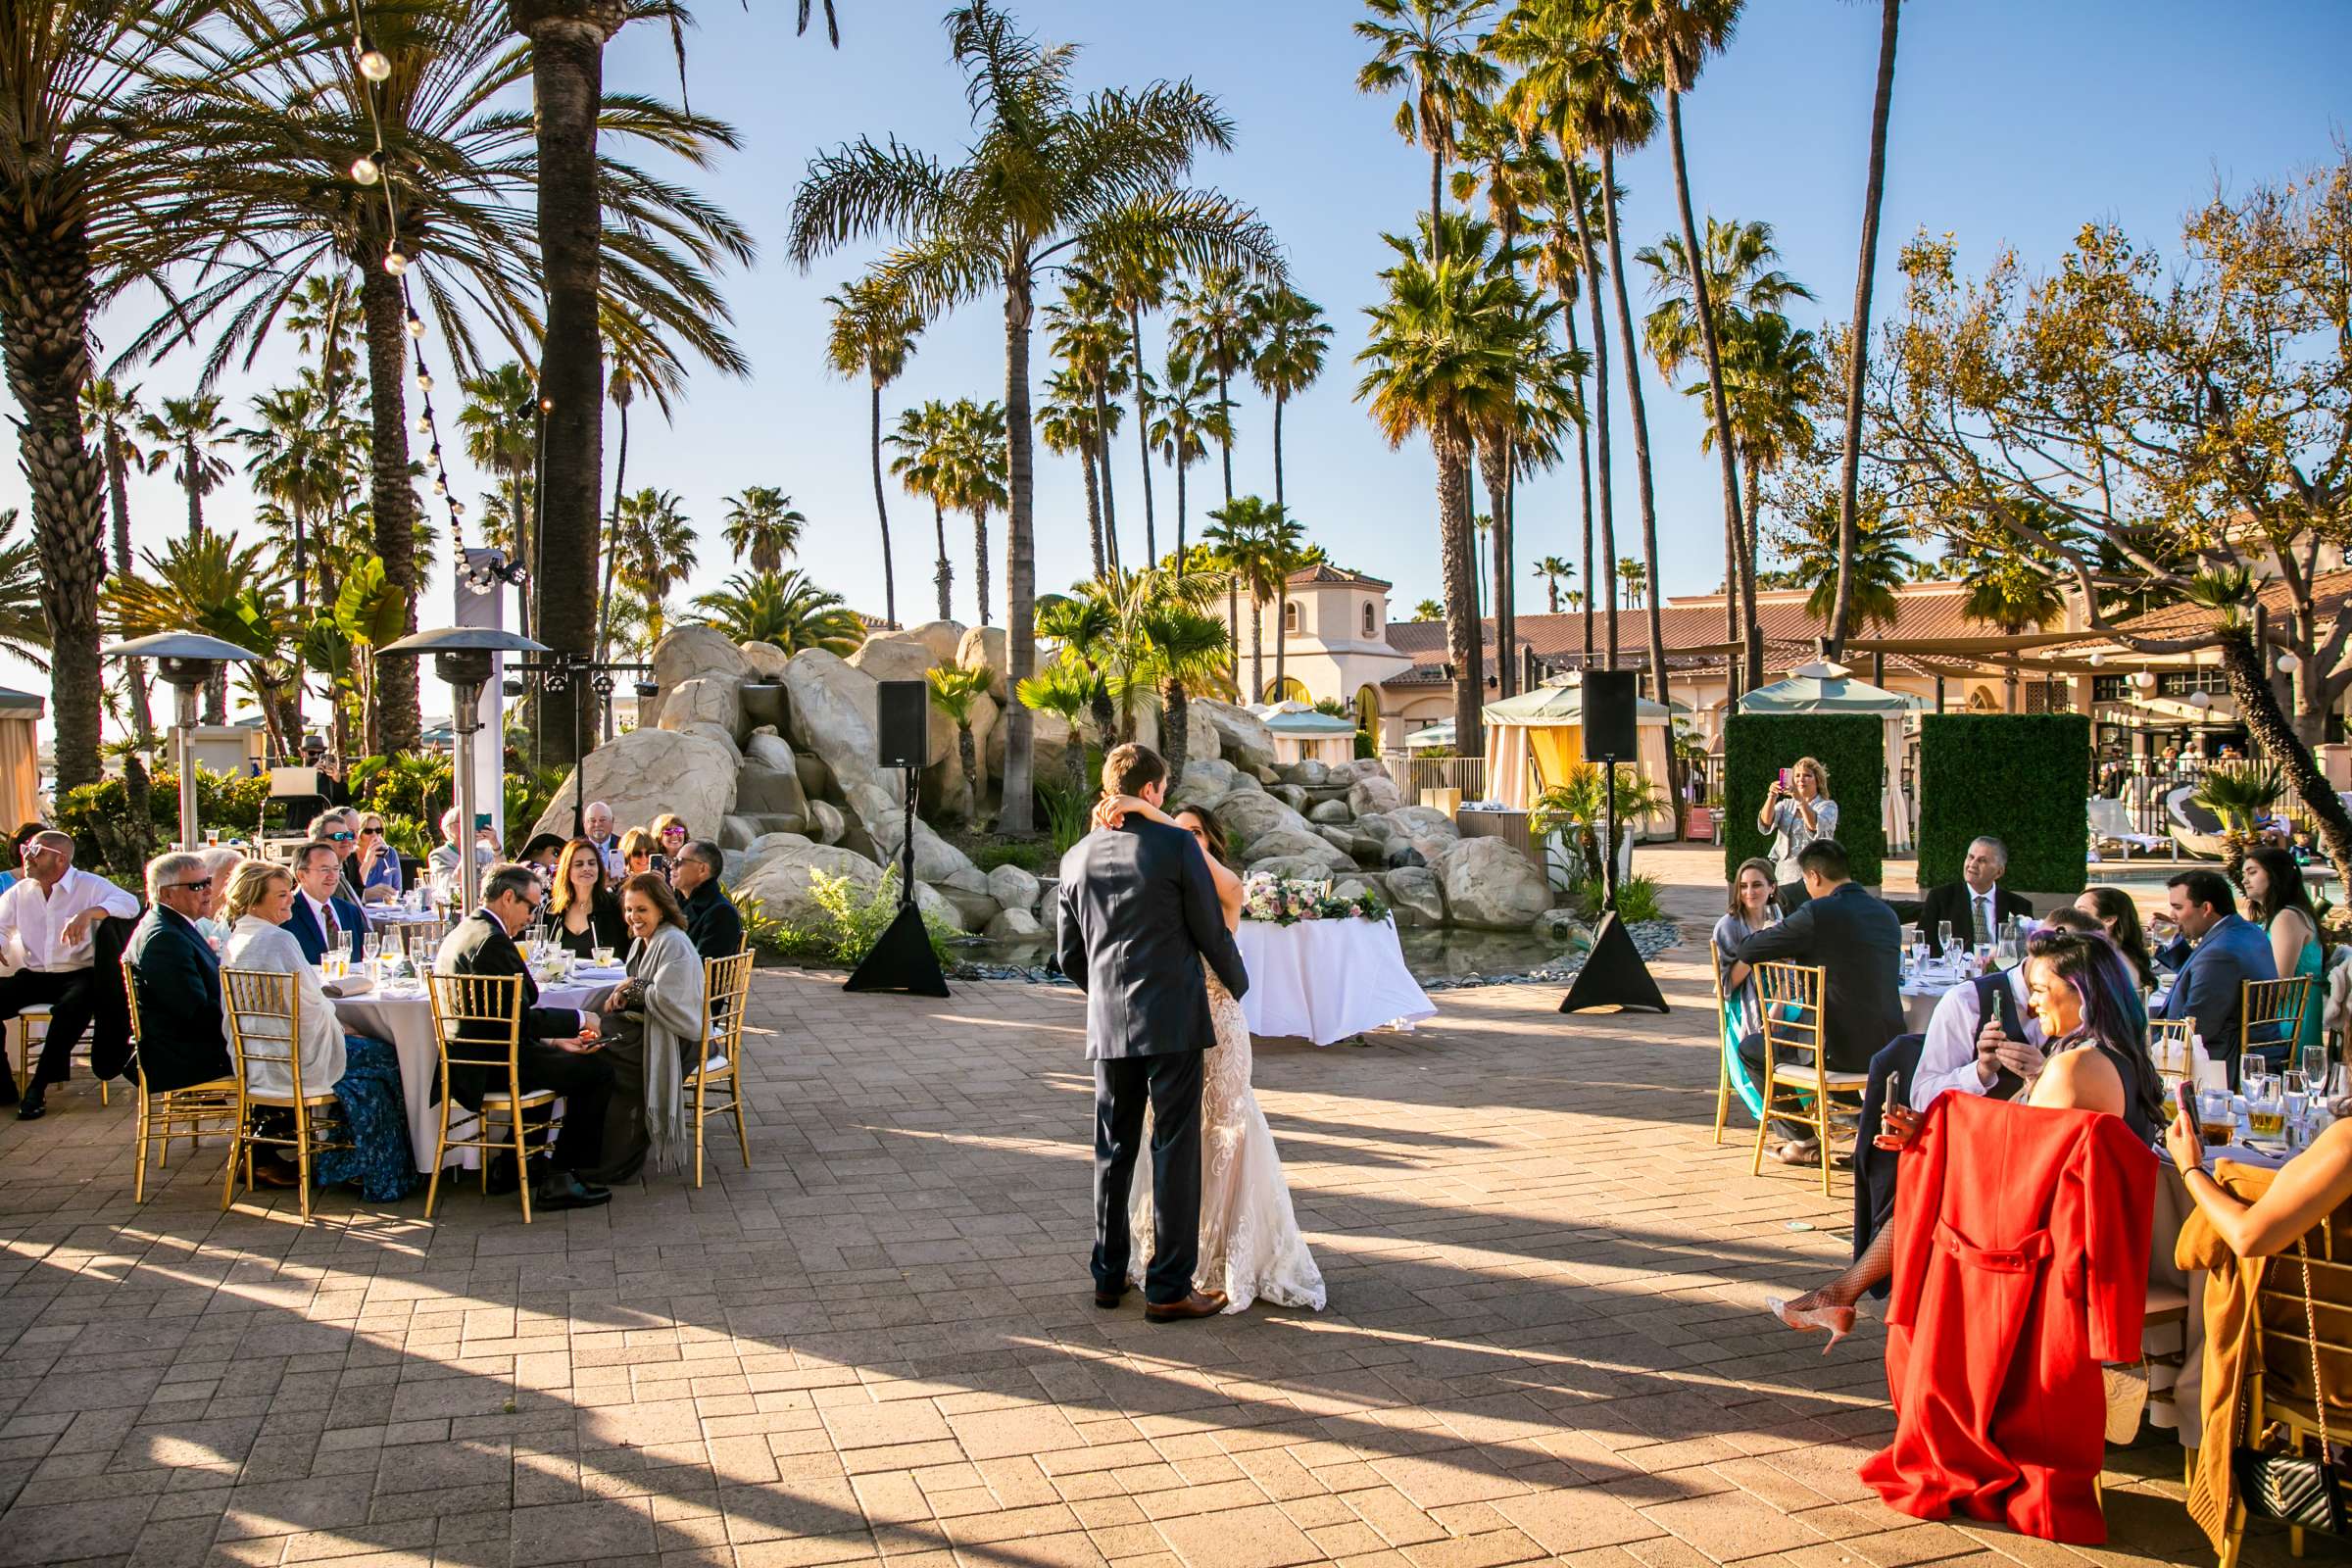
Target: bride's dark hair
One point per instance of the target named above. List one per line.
(1219, 850)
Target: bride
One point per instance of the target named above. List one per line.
(1249, 1240)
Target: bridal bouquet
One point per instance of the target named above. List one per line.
(1287, 901)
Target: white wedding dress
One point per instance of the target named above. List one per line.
(1250, 1242)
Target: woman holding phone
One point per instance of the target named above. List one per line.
(1797, 810)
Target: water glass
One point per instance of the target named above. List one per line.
(1984, 957)
(1943, 935)
(1919, 956)
(2315, 1064)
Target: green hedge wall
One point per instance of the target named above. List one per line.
(2021, 777)
(1852, 746)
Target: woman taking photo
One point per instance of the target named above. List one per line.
(375, 866)
(2118, 917)
(2276, 902)
(1796, 814)
(2096, 1058)
(654, 1020)
(586, 914)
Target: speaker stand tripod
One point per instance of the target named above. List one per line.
(902, 959)
(1614, 975)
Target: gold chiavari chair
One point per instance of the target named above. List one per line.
(478, 1023)
(420, 940)
(2302, 1363)
(265, 1030)
(163, 1115)
(1802, 1090)
(26, 1031)
(2167, 1040)
(727, 983)
(2274, 1010)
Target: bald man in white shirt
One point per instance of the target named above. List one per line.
(48, 915)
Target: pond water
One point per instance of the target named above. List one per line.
(1433, 954)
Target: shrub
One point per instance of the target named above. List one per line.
(1069, 815)
(2022, 777)
(1636, 898)
(1852, 746)
(849, 925)
(108, 838)
(1036, 857)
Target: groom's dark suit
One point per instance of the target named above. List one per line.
(1139, 912)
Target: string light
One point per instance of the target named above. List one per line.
(396, 261)
(366, 170)
(424, 380)
(416, 326)
(376, 65)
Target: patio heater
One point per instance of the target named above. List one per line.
(188, 659)
(463, 658)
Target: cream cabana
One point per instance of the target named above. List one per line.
(1825, 688)
(1301, 734)
(19, 758)
(1534, 740)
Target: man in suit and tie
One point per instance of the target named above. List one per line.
(2229, 950)
(1977, 904)
(178, 978)
(325, 919)
(559, 1045)
(1858, 941)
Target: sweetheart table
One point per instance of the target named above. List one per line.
(1324, 980)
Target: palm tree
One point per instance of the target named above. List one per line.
(1429, 49)
(783, 609)
(501, 420)
(644, 359)
(1136, 277)
(921, 441)
(1633, 579)
(1262, 557)
(1067, 688)
(762, 528)
(303, 456)
(1214, 327)
(1187, 656)
(454, 159)
(1882, 565)
(974, 477)
(1857, 349)
(1563, 253)
(2005, 590)
(656, 543)
(1048, 177)
(193, 431)
(111, 415)
(1555, 571)
(1443, 362)
(873, 334)
(24, 629)
(1083, 628)
(954, 689)
(1187, 415)
(1773, 373)
(1090, 340)
(1292, 337)
(214, 585)
(1428, 610)
(1067, 424)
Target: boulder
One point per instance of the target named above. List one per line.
(833, 719)
(1424, 822)
(1563, 926)
(936, 910)
(1014, 925)
(764, 790)
(1012, 887)
(941, 637)
(768, 749)
(763, 703)
(716, 732)
(766, 660)
(714, 700)
(1401, 855)
(1334, 812)
(1341, 839)
(1491, 886)
(827, 819)
(1358, 767)
(782, 879)
(1289, 795)
(900, 656)
(735, 832)
(1299, 867)
(935, 859)
(1414, 895)
(817, 779)
(1282, 844)
(1373, 794)
(1206, 782)
(1308, 771)
(770, 843)
(1243, 738)
(1251, 813)
(689, 654)
(1199, 734)
(973, 910)
(1050, 742)
(986, 645)
(1352, 887)
(647, 772)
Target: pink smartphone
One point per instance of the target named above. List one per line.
(1784, 778)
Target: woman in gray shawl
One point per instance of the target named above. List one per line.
(654, 1020)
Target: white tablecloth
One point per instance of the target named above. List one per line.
(1324, 980)
(404, 1016)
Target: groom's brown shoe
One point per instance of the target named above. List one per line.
(1200, 1304)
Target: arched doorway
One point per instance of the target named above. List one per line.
(1367, 722)
(1289, 689)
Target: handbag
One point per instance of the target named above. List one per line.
(2293, 1487)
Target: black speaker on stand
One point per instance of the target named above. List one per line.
(902, 959)
(1614, 975)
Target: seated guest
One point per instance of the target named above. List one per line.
(542, 851)
(638, 850)
(669, 839)
(597, 823)
(2118, 917)
(362, 1072)
(220, 864)
(2227, 950)
(1977, 904)
(587, 913)
(321, 919)
(375, 866)
(50, 917)
(2087, 1006)
(1795, 814)
(178, 977)
(1982, 1037)
(1859, 941)
(712, 918)
(15, 871)
(442, 864)
(2276, 902)
(560, 1046)
(655, 1022)
(340, 828)
(1751, 909)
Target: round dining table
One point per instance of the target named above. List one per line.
(401, 1012)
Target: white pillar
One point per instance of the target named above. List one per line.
(488, 608)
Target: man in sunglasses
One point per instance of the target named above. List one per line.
(49, 916)
(340, 828)
(178, 977)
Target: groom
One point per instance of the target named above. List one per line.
(1139, 912)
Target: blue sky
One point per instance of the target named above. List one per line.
(2015, 122)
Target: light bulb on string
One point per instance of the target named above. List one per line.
(456, 509)
(416, 326)
(2288, 664)
(376, 65)
(425, 425)
(365, 170)
(440, 487)
(396, 262)
(424, 380)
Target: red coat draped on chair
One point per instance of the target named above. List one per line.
(2020, 1264)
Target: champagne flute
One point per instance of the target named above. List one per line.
(1943, 935)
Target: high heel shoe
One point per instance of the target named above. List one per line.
(1839, 1321)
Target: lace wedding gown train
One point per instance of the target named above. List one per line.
(1250, 1242)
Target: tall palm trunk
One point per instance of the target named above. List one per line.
(944, 576)
(1233, 620)
(518, 477)
(1751, 619)
(1142, 421)
(189, 461)
(1173, 708)
(1224, 442)
(1018, 811)
(1583, 471)
(1857, 351)
(1632, 396)
(392, 501)
(1460, 576)
(980, 559)
(890, 581)
(1279, 401)
(1711, 349)
(1101, 448)
(45, 308)
(1437, 183)
(1257, 643)
(134, 670)
(604, 600)
(1087, 455)
(1600, 409)
(1499, 500)
(568, 47)
(1506, 580)
(1180, 505)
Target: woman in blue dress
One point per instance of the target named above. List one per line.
(2276, 901)
(1752, 909)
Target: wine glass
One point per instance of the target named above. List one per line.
(1943, 935)
(2315, 1063)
